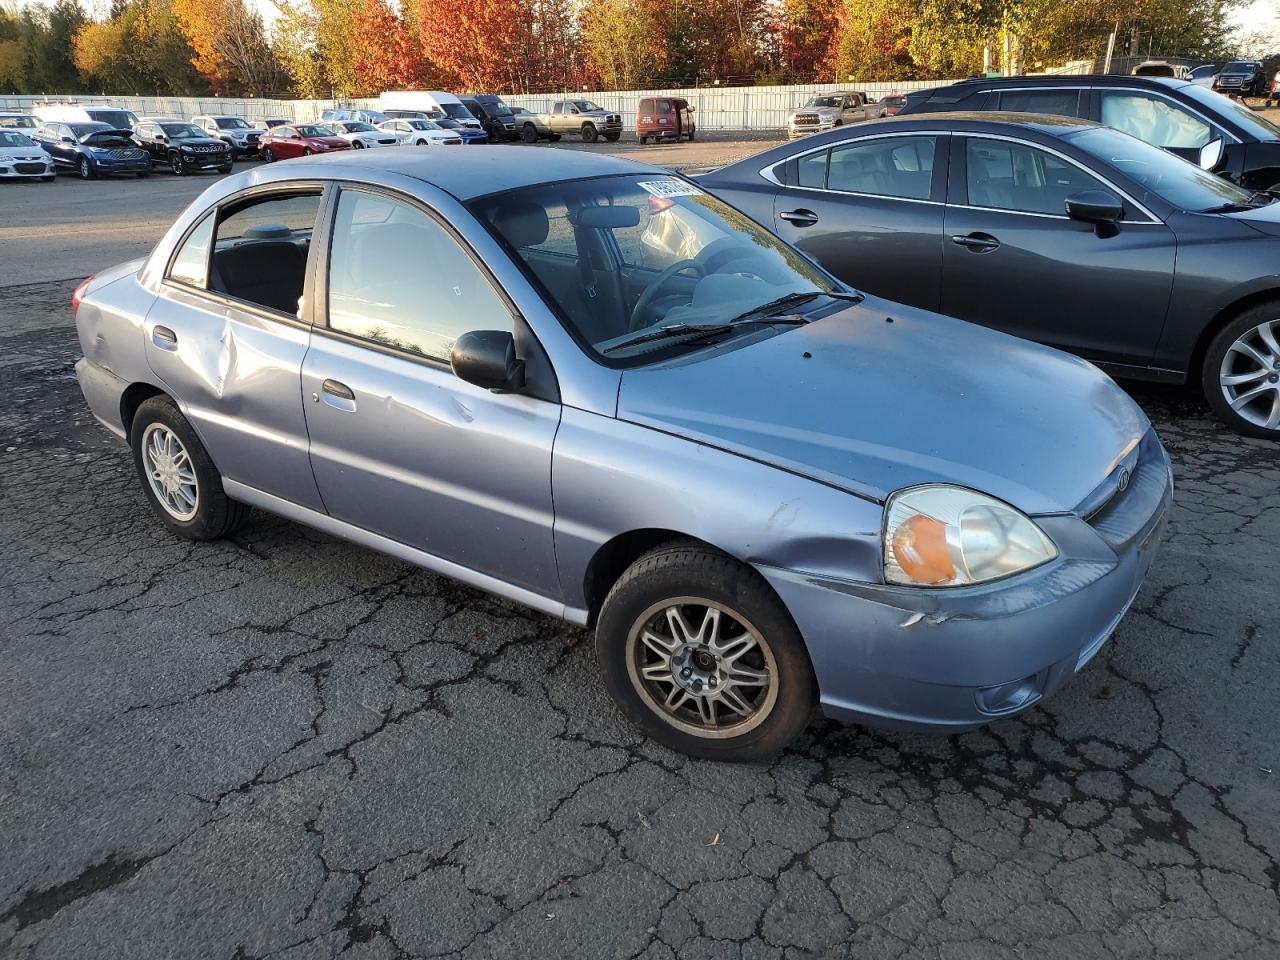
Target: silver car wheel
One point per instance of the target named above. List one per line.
(170, 472)
(702, 667)
(1250, 375)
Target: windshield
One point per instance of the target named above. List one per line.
(684, 260)
(359, 127)
(311, 130)
(1252, 123)
(893, 101)
(120, 119)
(82, 130)
(108, 138)
(1172, 179)
(585, 106)
(12, 138)
(1240, 66)
(496, 106)
(232, 123)
(182, 131)
(448, 124)
(823, 102)
(24, 122)
(424, 125)
(457, 111)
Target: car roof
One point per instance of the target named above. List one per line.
(474, 173)
(1064, 80)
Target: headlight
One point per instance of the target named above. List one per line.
(942, 536)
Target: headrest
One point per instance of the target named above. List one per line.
(522, 224)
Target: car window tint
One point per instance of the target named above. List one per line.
(1013, 176)
(260, 250)
(1062, 103)
(191, 265)
(1153, 119)
(811, 169)
(398, 278)
(890, 167)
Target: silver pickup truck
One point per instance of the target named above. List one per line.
(576, 117)
(827, 110)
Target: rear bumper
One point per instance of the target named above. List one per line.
(103, 391)
(946, 661)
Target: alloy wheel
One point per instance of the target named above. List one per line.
(1250, 375)
(702, 667)
(86, 171)
(175, 164)
(170, 472)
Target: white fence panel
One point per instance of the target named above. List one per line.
(716, 108)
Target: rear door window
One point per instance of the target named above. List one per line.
(888, 167)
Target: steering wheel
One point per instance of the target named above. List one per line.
(656, 284)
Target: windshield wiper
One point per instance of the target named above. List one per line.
(672, 330)
(1260, 198)
(793, 300)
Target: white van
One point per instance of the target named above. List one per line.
(117, 117)
(429, 100)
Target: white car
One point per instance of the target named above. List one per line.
(1202, 76)
(23, 122)
(420, 132)
(360, 134)
(21, 158)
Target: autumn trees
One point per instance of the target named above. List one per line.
(350, 48)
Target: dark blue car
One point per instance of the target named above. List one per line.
(93, 149)
(470, 135)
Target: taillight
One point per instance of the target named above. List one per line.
(78, 294)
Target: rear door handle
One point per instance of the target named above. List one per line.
(164, 338)
(800, 218)
(977, 242)
(337, 395)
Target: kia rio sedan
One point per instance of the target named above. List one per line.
(632, 407)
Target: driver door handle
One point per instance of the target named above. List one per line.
(800, 218)
(977, 242)
(337, 395)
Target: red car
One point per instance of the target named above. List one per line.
(892, 103)
(298, 140)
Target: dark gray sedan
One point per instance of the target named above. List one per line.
(1054, 229)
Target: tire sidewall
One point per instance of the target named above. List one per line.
(694, 571)
(1210, 382)
(207, 523)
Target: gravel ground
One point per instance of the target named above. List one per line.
(283, 745)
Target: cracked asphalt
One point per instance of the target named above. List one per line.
(282, 745)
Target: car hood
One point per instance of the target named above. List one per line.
(820, 111)
(873, 406)
(328, 141)
(22, 153)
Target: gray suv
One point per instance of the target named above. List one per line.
(236, 132)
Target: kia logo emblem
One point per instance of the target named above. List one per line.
(1122, 482)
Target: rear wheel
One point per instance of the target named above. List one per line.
(181, 483)
(701, 654)
(1241, 372)
(691, 133)
(644, 140)
(589, 133)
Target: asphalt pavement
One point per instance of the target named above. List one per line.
(282, 745)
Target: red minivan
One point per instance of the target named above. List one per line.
(665, 118)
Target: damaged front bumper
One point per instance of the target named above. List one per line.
(949, 660)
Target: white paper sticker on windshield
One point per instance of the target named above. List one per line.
(670, 187)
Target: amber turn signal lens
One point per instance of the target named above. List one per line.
(920, 547)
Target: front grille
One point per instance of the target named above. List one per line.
(805, 119)
(207, 148)
(1231, 82)
(253, 137)
(388, 143)
(457, 140)
(1123, 506)
(126, 154)
(29, 168)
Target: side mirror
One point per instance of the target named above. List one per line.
(161, 138)
(1211, 154)
(487, 358)
(1094, 206)
(68, 140)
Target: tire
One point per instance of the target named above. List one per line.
(644, 140)
(421, 143)
(589, 133)
(175, 164)
(1250, 405)
(695, 579)
(226, 168)
(612, 137)
(357, 145)
(691, 133)
(86, 169)
(529, 133)
(306, 151)
(142, 173)
(554, 137)
(266, 155)
(213, 513)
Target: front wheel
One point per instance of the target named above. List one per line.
(306, 151)
(421, 143)
(1241, 372)
(86, 169)
(266, 155)
(357, 144)
(225, 168)
(529, 133)
(175, 164)
(612, 137)
(700, 653)
(181, 483)
(691, 133)
(555, 137)
(589, 133)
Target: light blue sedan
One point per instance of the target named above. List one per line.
(587, 386)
